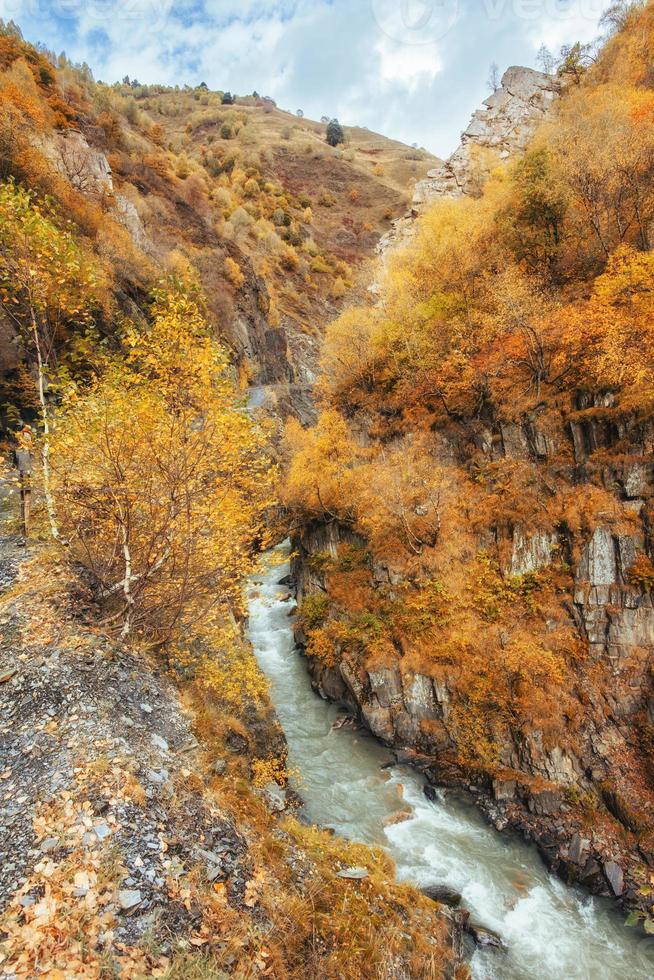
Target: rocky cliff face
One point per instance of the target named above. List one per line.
(497, 133)
(584, 797)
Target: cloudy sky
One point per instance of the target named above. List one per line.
(412, 69)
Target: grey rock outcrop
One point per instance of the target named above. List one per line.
(129, 218)
(498, 133)
(86, 168)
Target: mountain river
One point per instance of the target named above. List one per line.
(552, 931)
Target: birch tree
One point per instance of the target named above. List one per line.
(48, 287)
(163, 480)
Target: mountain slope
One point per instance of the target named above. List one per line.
(276, 223)
(475, 500)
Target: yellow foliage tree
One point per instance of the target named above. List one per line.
(323, 462)
(162, 479)
(48, 286)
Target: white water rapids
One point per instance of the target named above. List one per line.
(552, 932)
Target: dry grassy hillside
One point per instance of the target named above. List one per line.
(277, 224)
(305, 215)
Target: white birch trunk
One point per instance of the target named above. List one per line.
(45, 455)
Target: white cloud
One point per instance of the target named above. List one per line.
(414, 69)
(565, 23)
(407, 66)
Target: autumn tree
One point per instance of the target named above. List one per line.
(575, 59)
(48, 288)
(605, 145)
(607, 341)
(348, 361)
(533, 220)
(617, 15)
(546, 60)
(406, 496)
(323, 460)
(162, 479)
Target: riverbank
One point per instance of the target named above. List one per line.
(550, 930)
(138, 831)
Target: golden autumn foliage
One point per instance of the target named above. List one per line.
(607, 340)
(444, 445)
(48, 288)
(161, 479)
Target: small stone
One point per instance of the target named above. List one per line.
(48, 845)
(190, 746)
(353, 874)
(6, 675)
(129, 898)
(159, 777)
(275, 797)
(159, 742)
(615, 877)
(219, 768)
(146, 708)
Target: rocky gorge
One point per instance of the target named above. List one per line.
(535, 790)
(579, 782)
(200, 355)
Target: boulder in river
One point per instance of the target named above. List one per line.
(398, 817)
(443, 894)
(433, 794)
(484, 938)
(346, 721)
